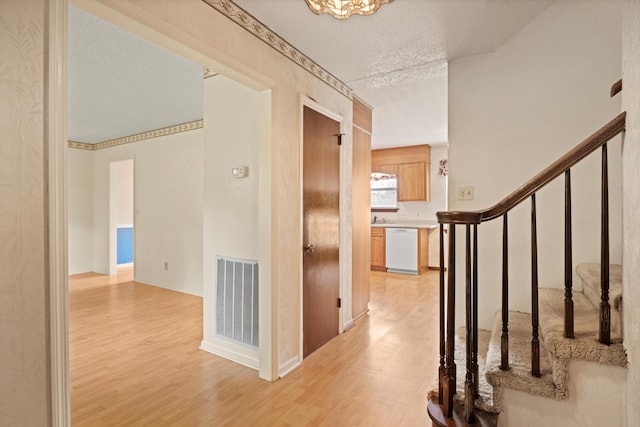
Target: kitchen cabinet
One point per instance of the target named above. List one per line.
(423, 248)
(378, 249)
(379, 245)
(389, 169)
(412, 182)
(411, 164)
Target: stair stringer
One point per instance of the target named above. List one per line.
(596, 398)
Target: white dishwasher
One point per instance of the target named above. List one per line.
(402, 250)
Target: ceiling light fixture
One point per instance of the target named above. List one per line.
(342, 9)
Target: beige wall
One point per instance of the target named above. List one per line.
(631, 200)
(24, 388)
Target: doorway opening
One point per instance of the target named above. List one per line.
(121, 218)
(177, 214)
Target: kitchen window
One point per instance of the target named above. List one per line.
(384, 191)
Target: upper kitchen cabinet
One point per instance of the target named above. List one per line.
(411, 164)
(388, 169)
(412, 182)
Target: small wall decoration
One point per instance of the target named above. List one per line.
(444, 168)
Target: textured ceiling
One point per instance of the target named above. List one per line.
(395, 60)
(121, 84)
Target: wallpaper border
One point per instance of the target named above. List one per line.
(184, 127)
(262, 32)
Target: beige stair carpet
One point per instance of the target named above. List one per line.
(518, 376)
(585, 345)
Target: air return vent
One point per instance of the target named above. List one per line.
(237, 300)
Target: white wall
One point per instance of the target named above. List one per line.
(168, 203)
(515, 111)
(631, 200)
(230, 205)
(80, 210)
(125, 193)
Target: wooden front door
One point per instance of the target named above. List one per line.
(321, 237)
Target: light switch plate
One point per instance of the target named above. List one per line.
(465, 192)
(240, 171)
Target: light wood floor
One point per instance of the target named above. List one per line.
(135, 362)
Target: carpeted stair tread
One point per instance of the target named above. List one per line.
(518, 377)
(590, 275)
(585, 345)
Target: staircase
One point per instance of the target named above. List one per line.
(527, 352)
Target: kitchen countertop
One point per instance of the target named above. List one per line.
(406, 224)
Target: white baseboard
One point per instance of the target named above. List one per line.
(361, 314)
(350, 324)
(228, 353)
(289, 366)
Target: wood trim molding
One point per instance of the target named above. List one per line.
(56, 184)
(401, 155)
(363, 130)
(616, 88)
(362, 115)
(184, 127)
(262, 32)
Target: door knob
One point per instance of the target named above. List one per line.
(309, 248)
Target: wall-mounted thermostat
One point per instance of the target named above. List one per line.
(240, 172)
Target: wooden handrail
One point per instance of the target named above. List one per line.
(592, 143)
(616, 88)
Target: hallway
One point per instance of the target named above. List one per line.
(135, 361)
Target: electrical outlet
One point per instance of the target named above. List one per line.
(166, 265)
(465, 192)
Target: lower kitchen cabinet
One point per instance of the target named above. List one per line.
(423, 249)
(378, 249)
